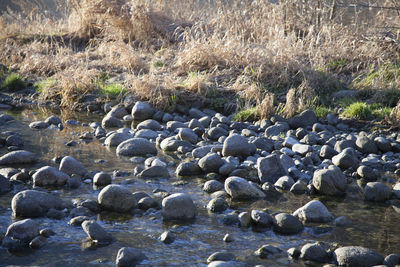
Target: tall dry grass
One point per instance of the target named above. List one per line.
(253, 50)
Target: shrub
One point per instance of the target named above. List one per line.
(358, 110)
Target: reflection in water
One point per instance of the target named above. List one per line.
(372, 225)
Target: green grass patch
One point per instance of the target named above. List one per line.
(386, 73)
(391, 97)
(246, 114)
(321, 111)
(112, 90)
(13, 82)
(337, 63)
(364, 111)
(158, 64)
(40, 86)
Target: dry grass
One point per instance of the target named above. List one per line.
(169, 52)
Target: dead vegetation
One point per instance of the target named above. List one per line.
(167, 52)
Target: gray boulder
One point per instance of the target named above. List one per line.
(115, 139)
(239, 188)
(146, 133)
(212, 186)
(49, 176)
(155, 172)
(327, 152)
(357, 256)
(284, 183)
(261, 218)
(178, 206)
(38, 125)
(116, 198)
(70, 166)
(171, 144)
(188, 169)
(142, 111)
(101, 179)
(32, 203)
(217, 205)
(314, 211)
(149, 124)
(343, 144)
(366, 145)
(346, 159)
(278, 128)
(383, 144)
(118, 111)
(330, 181)
(18, 157)
(301, 149)
(188, 135)
(128, 257)
(96, 232)
(111, 122)
(314, 252)
(264, 144)
(20, 233)
(270, 169)
(377, 192)
(53, 120)
(287, 224)
(237, 145)
(396, 190)
(136, 147)
(304, 119)
(216, 132)
(211, 163)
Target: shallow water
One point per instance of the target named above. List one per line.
(373, 225)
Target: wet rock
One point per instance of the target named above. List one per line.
(357, 256)
(293, 253)
(49, 176)
(346, 159)
(38, 125)
(91, 205)
(55, 214)
(53, 120)
(396, 190)
(78, 220)
(101, 179)
(46, 232)
(377, 192)
(261, 218)
(212, 186)
(32, 203)
(211, 163)
(188, 169)
(221, 256)
(96, 232)
(314, 211)
(266, 251)
(314, 252)
(111, 122)
(284, 183)
(116, 198)
(287, 224)
(142, 111)
(237, 145)
(37, 242)
(4, 118)
(217, 205)
(128, 257)
(115, 139)
(366, 145)
(8, 172)
(244, 219)
(20, 233)
(178, 206)
(70, 166)
(330, 181)
(147, 203)
(304, 119)
(155, 172)
(239, 188)
(5, 185)
(18, 157)
(136, 147)
(167, 237)
(341, 221)
(391, 260)
(270, 169)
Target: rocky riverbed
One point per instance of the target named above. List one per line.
(138, 186)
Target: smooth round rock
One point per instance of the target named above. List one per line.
(116, 198)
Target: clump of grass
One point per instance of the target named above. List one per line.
(112, 90)
(198, 82)
(40, 86)
(246, 114)
(321, 111)
(364, 111)
(13, 82)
